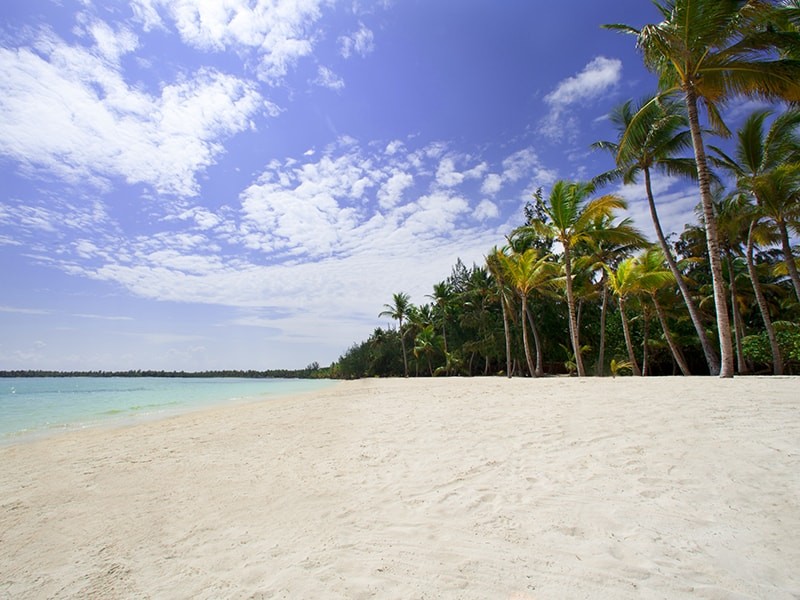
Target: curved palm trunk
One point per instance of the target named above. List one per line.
(677, 355)
(601, 355)
(738, 325)
(777, 359)
(628, 341)
(573, 321)
(712, 359)
(712, 239)
(524, 318)
(537, 342)
(788, 257)
(645, 347)
(403, 345)
(507, 332)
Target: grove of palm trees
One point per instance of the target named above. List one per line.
(578, 289)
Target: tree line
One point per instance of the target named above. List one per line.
(312, 371)
(578, 289)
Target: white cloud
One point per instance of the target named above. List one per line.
(279, 32)
(362, 42)
(492, 184)
(597, 77)
(70, 111)
(391, 192)
(486, 209)
(328, 79)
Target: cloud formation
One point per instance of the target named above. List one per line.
(68, 109)
(596, 78)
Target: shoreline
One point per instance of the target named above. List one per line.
(482, 487)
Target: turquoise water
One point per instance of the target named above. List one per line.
(36, 406)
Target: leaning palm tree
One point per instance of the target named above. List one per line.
(652, 278)
(528, 271)
(760, 152)
(568, 218)
(708, 51)
(608, 252)
(661, 133)
(398, 310)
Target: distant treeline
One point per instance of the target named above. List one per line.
(313, 371)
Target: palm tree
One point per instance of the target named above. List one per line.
(659, 135)
(398, 310)
(442, 296)
(527, 271)
(425, 344)
(494, 263)
(652, 278)
(623, 282)
(568, 218)
(708, 51)
(608, 252)
(759, 153)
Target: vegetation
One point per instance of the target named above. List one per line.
(541, 303)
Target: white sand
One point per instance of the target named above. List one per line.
(446, 488)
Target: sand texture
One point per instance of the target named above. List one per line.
(444, 488)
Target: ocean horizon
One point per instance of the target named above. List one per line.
(32, 407)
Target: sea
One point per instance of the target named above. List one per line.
(32, 407)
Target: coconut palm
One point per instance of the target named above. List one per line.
(608, 252)
(661, 133)
(623, 281)
(398, 310)
(569, 216)
(708, 51)
(425, 344)
(653, 277)
(527, 271)
(758, 153)
(494, 263)
(442, 296)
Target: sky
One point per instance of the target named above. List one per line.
(243, 184)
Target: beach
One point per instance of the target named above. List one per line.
(422, 488)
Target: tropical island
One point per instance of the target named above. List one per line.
(578, 288)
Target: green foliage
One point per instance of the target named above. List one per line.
(756, 347)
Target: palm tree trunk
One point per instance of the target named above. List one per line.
(777, 359)
(537, 343)
(403, 345)
(573, 321)
(677, 355)
(738, 328)
(525, 344)
(712, 239)
(788, 257)
(645, 351)
(601, 355)
(712, 359)
(628, 341)
(507, 333)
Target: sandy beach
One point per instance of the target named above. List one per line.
(444, 488)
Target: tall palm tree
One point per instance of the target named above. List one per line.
(652, 145)
(608, 252)
(569, 216)
(652, 278)
(528, 271)
(759, 153)
(708, 51)
(624, 282)
(398, 310)
(494, 263)
(442, 296)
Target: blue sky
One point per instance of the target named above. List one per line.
(244, 183)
